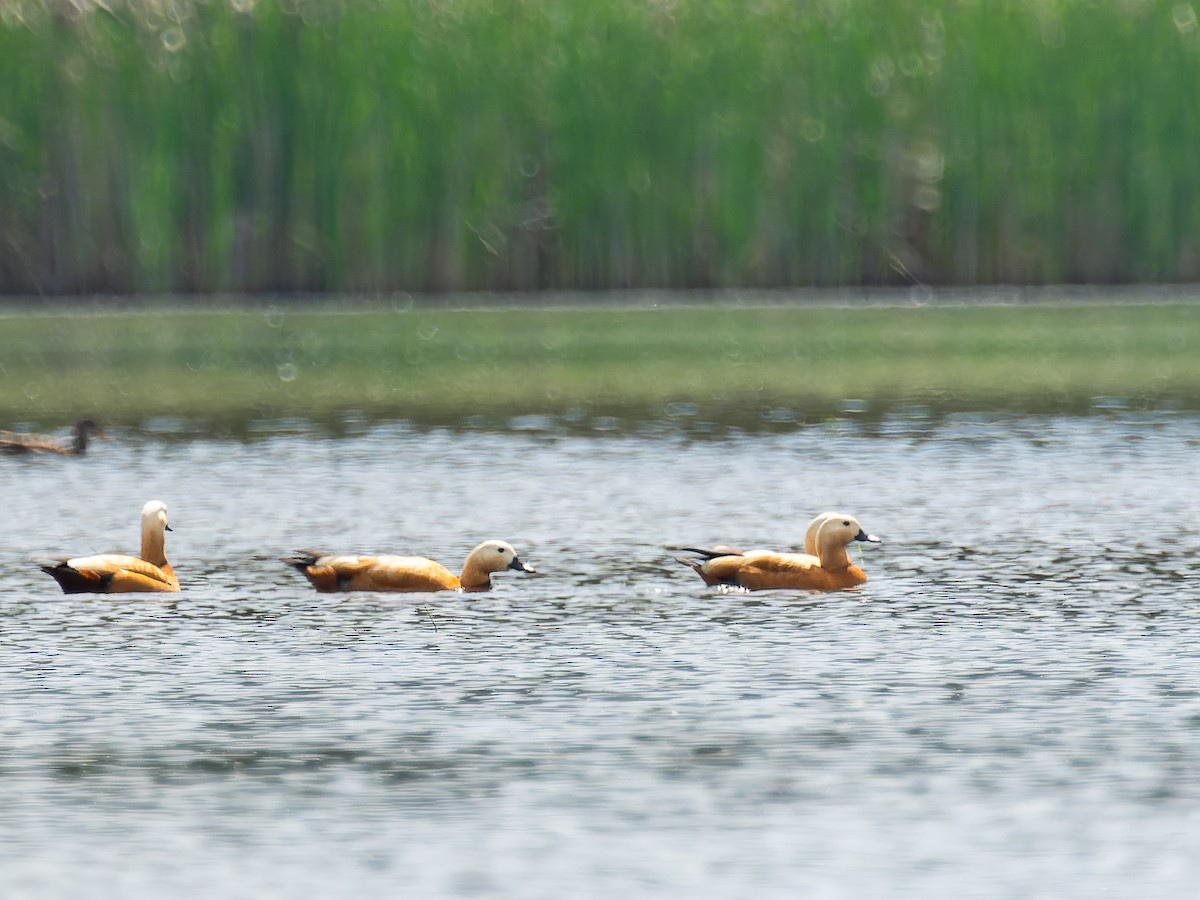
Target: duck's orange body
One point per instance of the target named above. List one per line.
(116, 573)
(111, 573)
(329, 572)
(761, 570)
(829, 569)
(345, 572)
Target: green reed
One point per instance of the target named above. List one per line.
(317, 145)
(737, 365)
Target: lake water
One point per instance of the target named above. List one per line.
(1009, 708)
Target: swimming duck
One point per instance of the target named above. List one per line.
(114, 573)
(828, 569)
(20, 442)
(329, 572)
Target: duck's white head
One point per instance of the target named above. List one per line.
(838, 529)
(496, 556)
(154, 515)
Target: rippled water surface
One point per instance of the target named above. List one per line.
(1011, 706)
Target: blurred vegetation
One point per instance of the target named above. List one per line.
(373, 145)
(754, 367)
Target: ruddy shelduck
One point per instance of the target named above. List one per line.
(825, 566)
(21, 442)
(343, 572)
(114, 573)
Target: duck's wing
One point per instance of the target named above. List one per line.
(755, 569)
(759, 569)
(764, 570)
(344, 572)
(109, 573)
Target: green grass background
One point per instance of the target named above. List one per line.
(372, 145)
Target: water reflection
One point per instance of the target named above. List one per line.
(673, 419)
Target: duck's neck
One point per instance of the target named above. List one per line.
(834, 556)
(153, 545)
(474, 576)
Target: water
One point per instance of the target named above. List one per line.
(1010, 707)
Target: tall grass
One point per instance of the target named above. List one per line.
(373, 145)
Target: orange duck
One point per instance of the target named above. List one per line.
(329, 572)
(826, 565)
(114, 573)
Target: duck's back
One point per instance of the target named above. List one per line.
(378, 573)
(111, 573)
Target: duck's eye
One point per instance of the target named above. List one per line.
(847, 524)
(499, 549)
